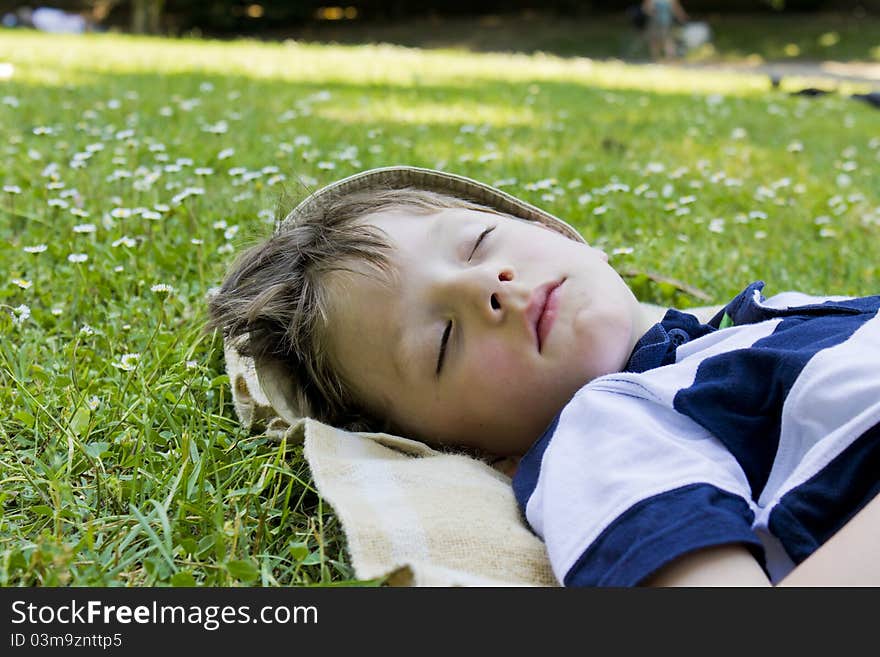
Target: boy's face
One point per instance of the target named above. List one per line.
(523, 315)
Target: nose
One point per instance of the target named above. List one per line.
(488, 293)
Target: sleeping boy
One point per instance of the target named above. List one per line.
(653, 452)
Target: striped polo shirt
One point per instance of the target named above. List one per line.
(760, 427)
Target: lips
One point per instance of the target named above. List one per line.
(542, 309)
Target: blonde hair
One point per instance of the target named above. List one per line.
(275, 296)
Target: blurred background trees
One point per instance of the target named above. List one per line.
(221, 17)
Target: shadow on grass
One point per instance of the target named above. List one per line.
(821, 36)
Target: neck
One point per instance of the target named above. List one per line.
(645, 315)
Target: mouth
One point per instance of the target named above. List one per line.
(542, 309)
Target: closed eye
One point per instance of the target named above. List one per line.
(443, 342)
(479, 240)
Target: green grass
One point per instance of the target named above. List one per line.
(127, 164)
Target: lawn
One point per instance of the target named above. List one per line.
(133, 169)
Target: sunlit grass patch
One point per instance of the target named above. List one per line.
(76, 60)
(133, 170)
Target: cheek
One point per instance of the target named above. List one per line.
(494, 370)
(602, 341)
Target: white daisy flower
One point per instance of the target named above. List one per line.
(162, 288)
(85, 228)
(77, 257)
(716, 225)
(37, 248)
(125, 240)
(219, 128)
(127, 362)
(20, 314)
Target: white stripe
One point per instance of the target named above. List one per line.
(588, 479)
(835, 400)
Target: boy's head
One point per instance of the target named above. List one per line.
(429, 315)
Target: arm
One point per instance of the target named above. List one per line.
(724, 565)
(849, 558)
(679, 11)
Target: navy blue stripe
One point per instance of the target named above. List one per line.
(740, 307)
(526, 477)
(739, 395)
(661, 528)
(810, 514)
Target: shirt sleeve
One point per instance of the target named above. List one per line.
(621, 485)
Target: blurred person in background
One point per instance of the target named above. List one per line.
(47, 19)
(662, 15)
